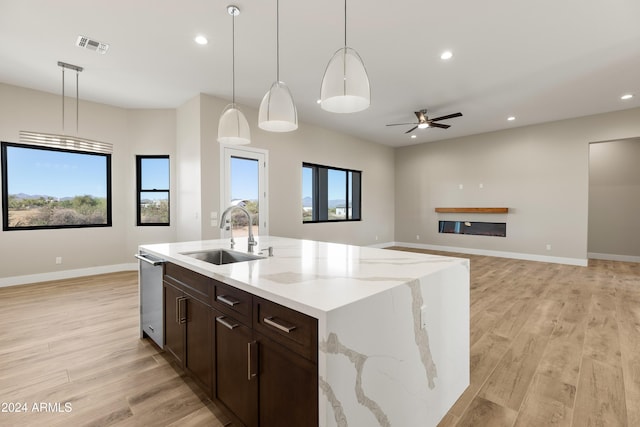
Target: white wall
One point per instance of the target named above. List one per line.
(540, 172)
(30, 253)
(614, 199)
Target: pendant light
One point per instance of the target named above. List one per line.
(345, 84)
(233, 127)
(64, 141)
(277, 110)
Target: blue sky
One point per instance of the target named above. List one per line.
(244, 179)
(336, 184)
(55, 173)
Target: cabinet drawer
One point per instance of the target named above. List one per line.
(197, 285)
(293, 329)
(233, 302)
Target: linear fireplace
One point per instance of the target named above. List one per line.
(498, 229)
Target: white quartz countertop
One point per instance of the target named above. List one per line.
(312, 277)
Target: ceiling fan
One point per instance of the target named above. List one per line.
(426, 122)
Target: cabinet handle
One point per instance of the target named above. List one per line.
(225, 299)
(178, 310)
(222, 321)
(252, 370)
(269, 321)
(151, 328)
(182, 317)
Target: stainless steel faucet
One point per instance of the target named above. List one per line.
(252, 242)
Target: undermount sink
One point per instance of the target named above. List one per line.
(222, 256)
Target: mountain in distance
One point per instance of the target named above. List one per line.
(22, 196)
(307, 202)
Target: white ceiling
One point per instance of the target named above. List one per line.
(537, 60)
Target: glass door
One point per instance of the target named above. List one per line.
(245, 184)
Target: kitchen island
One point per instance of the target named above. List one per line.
(392, 327)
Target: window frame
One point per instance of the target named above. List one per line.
(320, 189)
(140, 190)
(5, 187)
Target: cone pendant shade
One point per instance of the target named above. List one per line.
(233, 127)
(345, 85)
(278, 111)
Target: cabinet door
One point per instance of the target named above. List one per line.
(198, 342)
(288, 387)
(235, 372)
(173, 327)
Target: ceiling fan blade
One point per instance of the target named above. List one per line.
(412, 129)
(450, 116)
(438, 125)
(401, 124)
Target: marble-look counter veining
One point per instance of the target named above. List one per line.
(393, 327)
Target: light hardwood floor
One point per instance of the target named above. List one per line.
(551, 345)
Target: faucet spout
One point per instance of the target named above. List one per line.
(251, 240)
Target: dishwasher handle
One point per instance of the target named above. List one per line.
(150, 261)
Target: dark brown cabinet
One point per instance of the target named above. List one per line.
(256, 358)
(236, 374)
(288, 386)
(187, 331)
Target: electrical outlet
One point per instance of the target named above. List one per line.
(417, 237)
(58, 260)
(548, 246)
(376, 238)
(460, 186)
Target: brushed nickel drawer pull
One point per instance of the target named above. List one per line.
(269, 321)
(225, 299)
(151, 328)
(222, 321)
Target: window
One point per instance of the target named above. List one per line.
(152, 190)
(330, 194)
(47, 187)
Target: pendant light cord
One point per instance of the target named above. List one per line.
(77, 100)
(233, 59)
(278, 41)
(345, 23)
(62, 99)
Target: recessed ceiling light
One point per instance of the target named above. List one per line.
(413, 136)
(201, 40)
(626, 96)
(511, 118)
(447, 54)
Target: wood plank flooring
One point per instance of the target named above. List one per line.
(551, 345)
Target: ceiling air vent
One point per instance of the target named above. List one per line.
(96, 46)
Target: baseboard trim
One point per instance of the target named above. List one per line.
(500, 254)
(65, 274)
(382, 245)
(614, 257)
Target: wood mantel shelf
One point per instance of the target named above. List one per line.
(472, 210)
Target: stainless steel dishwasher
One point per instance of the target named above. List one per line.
(150, 290)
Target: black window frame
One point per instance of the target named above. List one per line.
(140, 190)
(5, 188)
(320, 199)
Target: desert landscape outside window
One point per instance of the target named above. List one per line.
(44, 188)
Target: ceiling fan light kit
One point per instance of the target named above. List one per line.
(278, 110)
(345, 85)
(233, 127)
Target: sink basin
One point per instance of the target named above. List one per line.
(222, 256)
